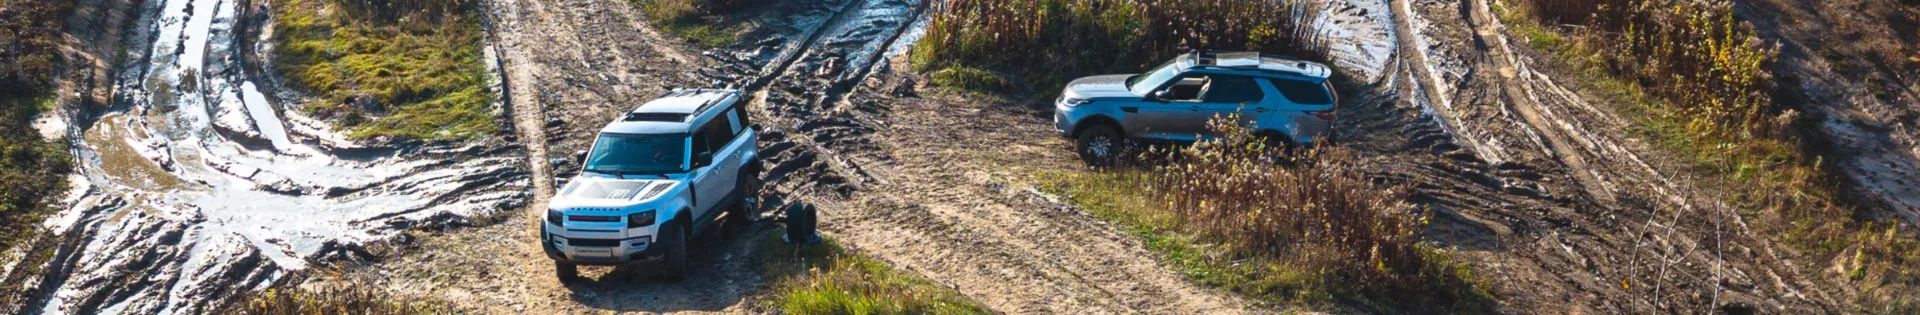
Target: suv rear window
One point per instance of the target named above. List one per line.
(1303, 92)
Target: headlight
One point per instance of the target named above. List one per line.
(553, 216)
(1071, 102)
(644, 218)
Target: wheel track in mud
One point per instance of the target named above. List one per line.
(1667, 257)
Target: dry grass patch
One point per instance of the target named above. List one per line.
(1310, 231)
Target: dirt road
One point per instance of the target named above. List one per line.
(1542, 192)
(882, 168)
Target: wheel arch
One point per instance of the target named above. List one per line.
(1097, 120)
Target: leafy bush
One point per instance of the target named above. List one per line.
(1048, 41)
(410, 69)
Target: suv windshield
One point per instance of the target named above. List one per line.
(616, 153)
(1145, 82)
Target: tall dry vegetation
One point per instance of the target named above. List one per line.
(1323, 228)
(1045, 42)
(1693, 54)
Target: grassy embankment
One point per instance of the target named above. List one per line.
(698, 21)
(34, 169)
(388, 68)
(1312, 235)
(1695, 82)
(829, 279)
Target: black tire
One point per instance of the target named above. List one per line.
(1280, 144)
(1100, 145)
(566, 271)
(676, 260)
(747, 210)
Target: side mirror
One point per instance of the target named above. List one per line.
(1157, 96)
(580, 158)
(703, 159)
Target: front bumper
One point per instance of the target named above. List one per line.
(590, 250)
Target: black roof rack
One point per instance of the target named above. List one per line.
(656, 117)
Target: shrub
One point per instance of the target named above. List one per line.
(410, 69)
(1049, 41)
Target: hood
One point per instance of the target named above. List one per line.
(1100, 86)
(603, 191)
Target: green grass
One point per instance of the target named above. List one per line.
(1770, 179)
(414, 72)
(689, 19)
(829, 279)
(338, 300)
(968, 79)
(1117, 196)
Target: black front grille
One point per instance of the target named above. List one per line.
(588, 242)
(593, 218)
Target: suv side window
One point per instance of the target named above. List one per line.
(745, 119)
(1232, 89)
(737, 119)
(1303, 92)
(1186, 87)
(709, 138)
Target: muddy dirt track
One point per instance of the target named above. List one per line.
(1543, 193)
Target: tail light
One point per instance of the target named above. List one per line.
(1327, 115)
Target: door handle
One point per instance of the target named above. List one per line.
(1194, 108)
(1130, 109)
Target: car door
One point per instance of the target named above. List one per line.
(711, 184)
(1227, 95)
(1173, 117)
